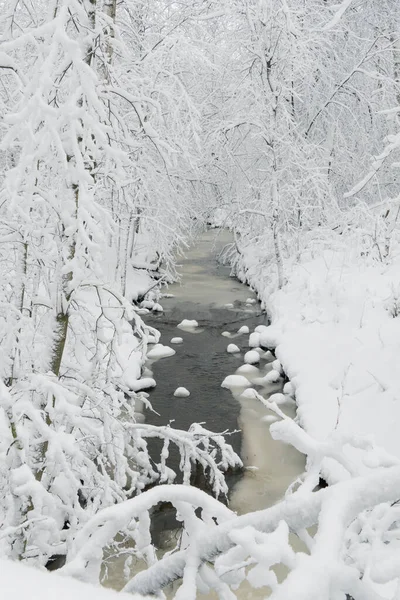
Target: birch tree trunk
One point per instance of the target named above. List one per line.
(62, 317)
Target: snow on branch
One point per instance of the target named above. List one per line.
(337, 16)
(84, 559)
(377, 163)
(334, 509)
(198, 445)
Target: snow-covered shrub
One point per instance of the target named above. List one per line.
(392, 304)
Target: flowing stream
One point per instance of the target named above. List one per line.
(221, 305)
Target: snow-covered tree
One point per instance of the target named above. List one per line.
(299, 123)
(76, 135)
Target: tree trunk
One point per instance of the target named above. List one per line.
(396, 64)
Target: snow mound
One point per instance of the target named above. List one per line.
(254, 340)
(251, 357)
(235, 381)
(277, 366)
(176, 340)
(248, 370)
(269, 337)
(233, 349)
(251, 300)
(158, 308)
(149, 304)
(20, 581)
(288, 389)
(181, 392)
(272, 377)
(226, 334)
(244, 329)
(143, 384)
(160, 351)
(261, 328)
(188, 324)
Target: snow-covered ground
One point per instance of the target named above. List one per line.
(335, 327)
(19, 582)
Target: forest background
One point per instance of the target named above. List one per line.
(125, 128)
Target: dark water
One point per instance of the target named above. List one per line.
(202, 362)
(200, 365)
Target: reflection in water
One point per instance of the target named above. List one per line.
(222, 306)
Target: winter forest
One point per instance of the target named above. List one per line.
(134, 135)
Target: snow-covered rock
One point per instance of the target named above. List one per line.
(233, 349)
(254, 339)
(176, 340)
(235, 381)
(244, 329)
(288, 389)
(261, 328)
(252, 357)
(269, 337)
(188, 324)
(272, 377)
(249, 370)
(143, 384)
(181, 392)
(160, 351)
(149, 304)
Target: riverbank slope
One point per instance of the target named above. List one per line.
(335, 327)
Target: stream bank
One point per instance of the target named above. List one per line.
(225, 310)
